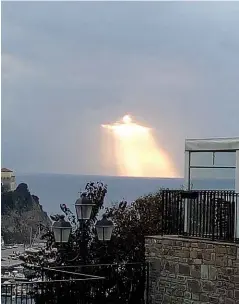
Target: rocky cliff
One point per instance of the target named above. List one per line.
(21, 213)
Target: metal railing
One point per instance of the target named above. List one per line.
(204, 214)
(84, 284)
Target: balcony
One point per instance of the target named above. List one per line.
(204, 214)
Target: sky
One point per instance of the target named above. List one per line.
(68, 67)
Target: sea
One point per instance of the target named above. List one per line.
(56, 189)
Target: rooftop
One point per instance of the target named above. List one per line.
(212, 144)
(6, 170)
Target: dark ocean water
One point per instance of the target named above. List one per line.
(55, 189)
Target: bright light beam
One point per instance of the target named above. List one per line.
(136, 152)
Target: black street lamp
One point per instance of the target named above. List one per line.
(83, 207)
(104, 229)
(62, 229)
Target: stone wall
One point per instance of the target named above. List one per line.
(184, 270)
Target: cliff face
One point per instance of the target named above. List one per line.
(21, 212)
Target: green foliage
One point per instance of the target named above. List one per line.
(132, 222)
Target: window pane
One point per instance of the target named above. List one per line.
(201, 159)
(225, 159)
(213, 173)
(213, 178)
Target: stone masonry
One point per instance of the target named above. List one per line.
(189, 270)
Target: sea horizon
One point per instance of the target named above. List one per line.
(93, 175)
(54, 189)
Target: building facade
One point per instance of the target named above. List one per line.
(8, 179)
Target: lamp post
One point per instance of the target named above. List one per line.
(62, 229)
(83, 207)
(104, 229)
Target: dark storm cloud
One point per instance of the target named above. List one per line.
(68, 67)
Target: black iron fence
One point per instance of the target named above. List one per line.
(85, 284)
(205, 214)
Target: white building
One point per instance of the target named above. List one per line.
(212, 159)
(215, 159)
(8, 179)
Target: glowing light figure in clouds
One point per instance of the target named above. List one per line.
(136, 152)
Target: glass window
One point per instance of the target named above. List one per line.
(212, 178)
(213, 173)
(217, 159)
(201, 159)
(225, 159)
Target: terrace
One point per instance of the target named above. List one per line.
(196, 254)
(200, 210)
(212, 212)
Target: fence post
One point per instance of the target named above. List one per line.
(213, 214)
(236, 219)
(162, 228)
(147, 282)
(185, 229)
(187, 157)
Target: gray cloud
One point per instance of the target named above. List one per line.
(67, 67)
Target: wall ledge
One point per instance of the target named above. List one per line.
(190, 239)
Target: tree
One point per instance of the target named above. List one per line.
(131, 223)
